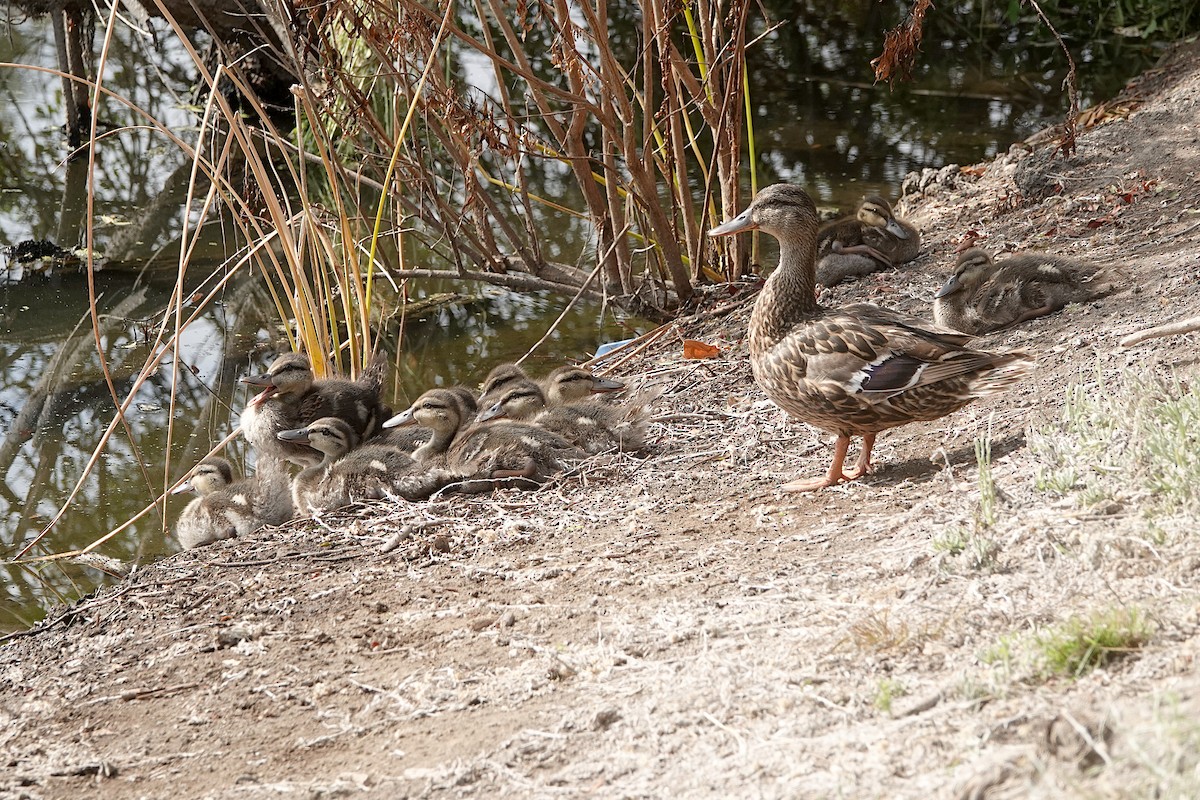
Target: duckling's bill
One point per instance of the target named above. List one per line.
(952, 285)
(895, 229)
(403, 418)
(606, 385)
(496, 410)
(299, 435)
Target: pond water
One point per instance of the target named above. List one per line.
(980, 85)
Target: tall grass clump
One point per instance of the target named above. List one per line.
(535, 118)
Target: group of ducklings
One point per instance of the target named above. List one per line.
(981, 296)
(518, 431)
(861, 369)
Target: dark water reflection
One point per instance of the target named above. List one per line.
(980, 85)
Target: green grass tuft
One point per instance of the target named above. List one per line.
(886, 692)
(1079, 645)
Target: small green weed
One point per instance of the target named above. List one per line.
(1079, 645)
(952, 542)
(980, 547)
(887, 691)
(987, 514)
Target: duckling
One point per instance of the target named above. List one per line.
(592, 425)
(226, 508)
(984, 295)
(569, 384)
(348, 473)
(500, 378)
(291, 399)
(856, 370)
(411, 438)
(871, 240)
(492, 451)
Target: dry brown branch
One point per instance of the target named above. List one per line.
(1159, 331)
(1070, 125)
(901, 45)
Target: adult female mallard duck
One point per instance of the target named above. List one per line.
(872, 239)
(226, 508)
(855, 370)
(985, 295)
(291, 399)
(497, 450)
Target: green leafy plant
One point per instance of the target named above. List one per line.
(886, 692)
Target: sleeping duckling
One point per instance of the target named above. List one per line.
(871, 240)
(984, 295)
(348, 473)
(592, 425)
(291, 399)
(500, 378)
(568, 384)
(226, 508)
(494, 451)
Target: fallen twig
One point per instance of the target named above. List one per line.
(1159, 331)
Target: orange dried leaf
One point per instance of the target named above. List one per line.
(696, 349)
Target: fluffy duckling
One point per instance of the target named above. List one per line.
(493, 451)
(226, 508)
(855, 370)
(592, 425)
(291, 399)
(569, 384)
(984, 295)
(411, 438)
(874, 238)
(500, 378)
(348, 473)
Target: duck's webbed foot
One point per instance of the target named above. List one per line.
(863, 465)
(863, 250)
(836, 475)
(528, 470)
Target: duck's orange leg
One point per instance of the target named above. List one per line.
(833, 476)
(863, 465)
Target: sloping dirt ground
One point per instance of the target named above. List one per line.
(671, 625)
